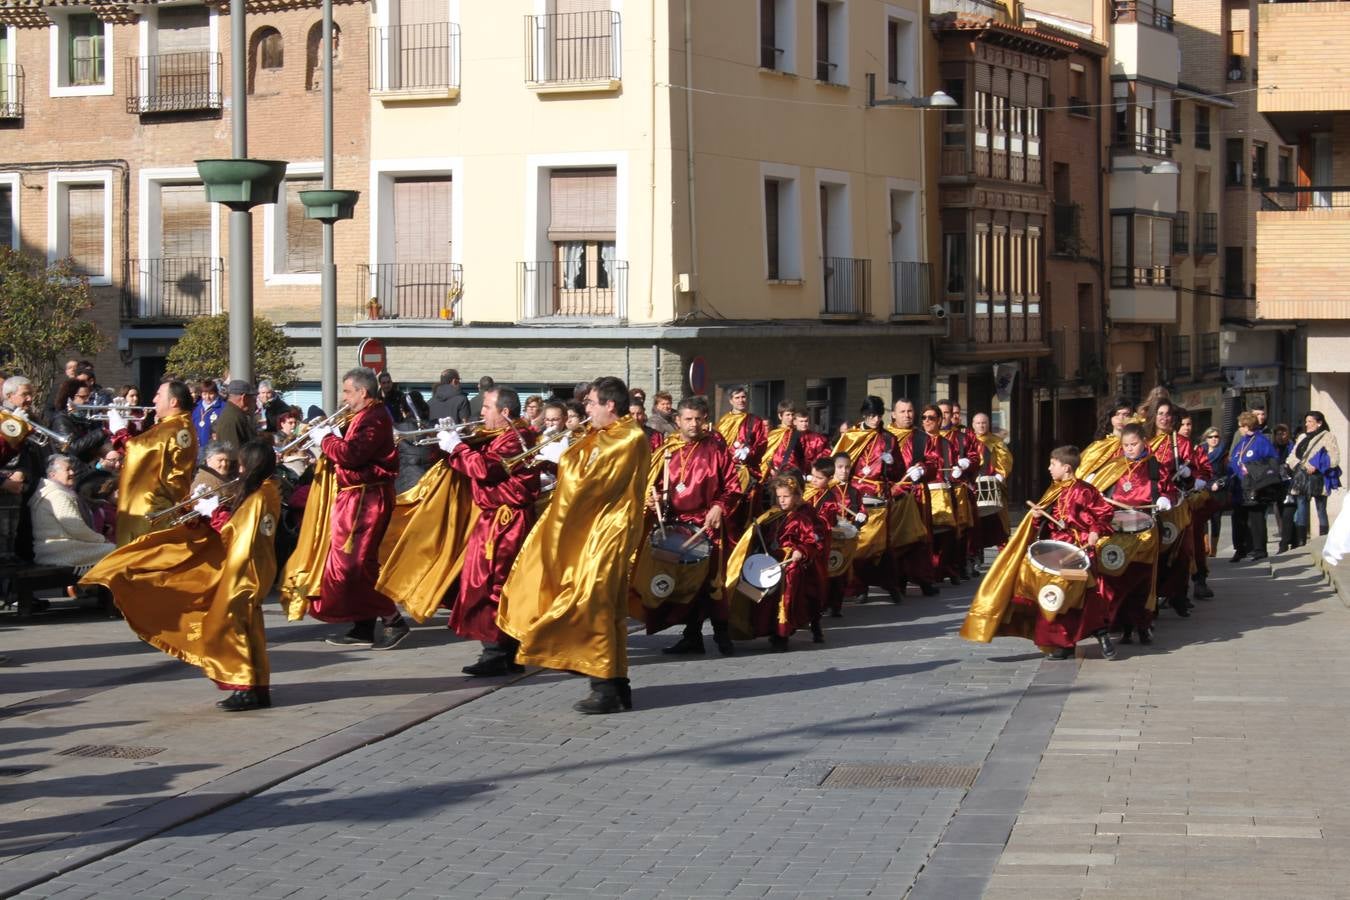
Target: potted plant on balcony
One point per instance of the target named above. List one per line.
(373, 308)
(452, 295)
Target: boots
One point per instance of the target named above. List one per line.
(1108, 649)
(608, 695)
(1202, 590)
(722, 638)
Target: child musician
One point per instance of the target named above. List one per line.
(1084, 516)
(1140, 484)
(798, 537)
(834, 501)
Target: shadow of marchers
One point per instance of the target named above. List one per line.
(662, 696)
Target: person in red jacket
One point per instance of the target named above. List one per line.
(834, 500)
(801, 539)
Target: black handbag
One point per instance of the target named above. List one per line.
(1261, 476)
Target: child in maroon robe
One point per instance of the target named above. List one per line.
(800, 538)
(833, 502)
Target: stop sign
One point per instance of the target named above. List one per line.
(370, 353)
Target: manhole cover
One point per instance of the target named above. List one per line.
(15, 771)
(111, 751)
(912, 776)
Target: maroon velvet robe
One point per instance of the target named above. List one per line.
(875, 471)
(1174, 563)
(754, 436)
(505, 502)
(915, 561)
(1083, 510)
(835, 502)
(793, 607)
(1126, 594)
(365, 462)
(948, 543)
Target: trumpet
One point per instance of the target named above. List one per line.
(177, 510)
(302, 440)
(528, 455)
(102, 413)
(41, 434)
(427, 436)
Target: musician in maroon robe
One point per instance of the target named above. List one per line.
(968, 447)
(799, 538)
(875, 469)
(365, 463)
(941, 460)
(694, 481)
(505, 500)
(747, 437)
(914, 561)
(815, 446)
(834, 501)
(1139, 484)
(1176, 456)
(1202, 511)
(1086, 517)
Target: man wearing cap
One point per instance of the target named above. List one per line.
(236, 423)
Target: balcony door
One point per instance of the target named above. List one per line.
(176, 281)
(417, 282)
(179, 73)
(419, 47)
(582, 215)
(577, 40)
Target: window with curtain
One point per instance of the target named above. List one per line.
(185, 221)
(1033, 271)
(582, 215)
(84, 49)
(84, 228)
(303, 237)
(981, 270)
(1141, 250)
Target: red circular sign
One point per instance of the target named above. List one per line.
(698, 375)
(370, 354)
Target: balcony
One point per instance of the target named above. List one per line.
(1301, 56)
(11, 92)
(1143, 12)
(415, 62)
(173, 82)
(407, 291)
(911, 289)
(1301, 236)
(1288, 198)
(590, 288)
(1207, 241)
(1181, 234)
(847, 287)
(1209, 353)
(1141, 276)
(171, 288)
(1157, 142)
(573, 52)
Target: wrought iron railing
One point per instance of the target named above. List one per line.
(1209, 352)
(179, 287)
(591, 287)
(429, 290)
(1207, 241)
(11, 91)
(1144, 12)
(1141, 276)
(1288, 198)
(563, 48)
(911, 288)
(1181, 234)
(1157, 142)
(173, 82)
(414, 57)
(847, 284)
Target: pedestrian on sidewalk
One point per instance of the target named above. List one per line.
(1315, 461)
(1255, 474)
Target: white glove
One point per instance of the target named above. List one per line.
(1184, 471)
(117, 421)
(887, 458)
(206, 506)
(742, 454)
(963, 462)
(1163, 504)
(998, 476)
(860, 518)
(957, 472)
(553, 451)
(448, 441)
(318, 433)
(915, 473)
(1201, 484)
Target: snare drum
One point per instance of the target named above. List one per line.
(843, 546)
(1123, 549)
(669, 572)
(1055, 574)
(760, 576)
(1131, 521)
(940, 501)
(988, 495)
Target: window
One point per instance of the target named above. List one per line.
(79, 226)
(777, 35)
(1260, 159)
(314, 55)
(1232, 163)
(1078, 89)
(782, 223)
(266, 57)
(582, 213)
(1237, 55)
(1142, 117)
(1176, 121)
(981, 270)
(999, 265)
(1286, 167)
(831, 42)
(81, 45)
(1202, 127)
(954, 119)
(1234, 275)
(901, 53)
(772, 237)
(293, 245)
(1033, 271)
(1141, 250)
(185, 222)
(954, 264)
(8, 231)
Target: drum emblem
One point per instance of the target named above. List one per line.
(662, 586)
(268, 525)
(183, 438)
(1051, 598)
(1112, 557)
(836, 560)
(1170, 533)
(11, 428)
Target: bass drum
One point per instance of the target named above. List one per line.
(667, 571)
(1054, 575)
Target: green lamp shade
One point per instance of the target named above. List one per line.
(241, 184)
(329, 206)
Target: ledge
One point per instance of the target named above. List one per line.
(791, 282)
(600, 86)
(434, 330)
(416, 95)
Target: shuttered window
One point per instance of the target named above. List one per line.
(84, 228)
(304, 237)
(6, 216)
(582, 205)
(185, 221)
(422, 220)
(84, 49)
(182, 29)
(771, 210)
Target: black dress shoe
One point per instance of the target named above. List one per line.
(724, 644)
(1108, 649)
(1182, 607)
(817, 636)
(928, 589)
(392, 637)
(1259, 555)
(1145, 635)
(493, 667)
(1060, 653)
(955, 580)
(625, 690)
(240, 701)
(836, 614)
(1127, 635)
(687, 645)
(349, 640)
(1203, 592)
(601, 702)
(1237, 557)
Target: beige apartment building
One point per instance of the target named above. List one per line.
(563, 189)
(1303, 228)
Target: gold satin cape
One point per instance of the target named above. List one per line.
(741, 607)
(1096, 455)
(728, 427)
(566, 598)
(156, 474)
(198, 595)
(992, 612)
(422, 551)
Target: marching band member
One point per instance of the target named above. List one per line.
(1135, 481)
(198, 595)
(638, 411)
(694, 481)
(835, 500)
(747, 436)
(505, 500)
(774, 440)
(996, 461)
(365, 463)
(814, 445)
(875, 468)
(801, 538)
(915, 560)
(1183, 466)
(965, 446)
(159, 462)
(1107, 445)
(1202, 507)
(565, 599)
(948, 546)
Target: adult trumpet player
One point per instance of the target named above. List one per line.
(158, 463)
(505, 498)
(365, 463)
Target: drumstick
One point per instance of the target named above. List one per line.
(693, 537)
(660, 519)
(1045, 512)
(1118, 504)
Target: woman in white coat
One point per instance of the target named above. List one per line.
(61, 536)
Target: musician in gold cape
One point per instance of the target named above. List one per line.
(1106, 447)
(197, 594)
(158, 464)
(566, 597)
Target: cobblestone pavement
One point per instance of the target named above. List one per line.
(710, 788)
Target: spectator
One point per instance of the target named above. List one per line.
(1259, 410)
(235, 424)
(62, 535)
(662, 417)
(206, 412)
(1215, 452)
(485, 384)
(1316, 462)
(270, 408)
(448, 401)
(1284, 502)
(1249, 464)
(98, 395)
(392, 397)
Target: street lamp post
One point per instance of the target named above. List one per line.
(241, 220)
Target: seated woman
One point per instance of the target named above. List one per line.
(61, 534)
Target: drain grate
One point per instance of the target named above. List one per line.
(111, 751)
(16, 771)
(911, 776)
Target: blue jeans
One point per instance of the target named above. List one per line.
(1301, 512)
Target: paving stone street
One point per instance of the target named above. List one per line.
(1208, 764)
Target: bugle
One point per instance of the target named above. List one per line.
(41, 434)
(177, 510)
(301, 440)
(529, 454)
(102, 412)
(427, 436)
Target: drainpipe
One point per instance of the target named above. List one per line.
(656, 367)
(328, 341)
(689, 138)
